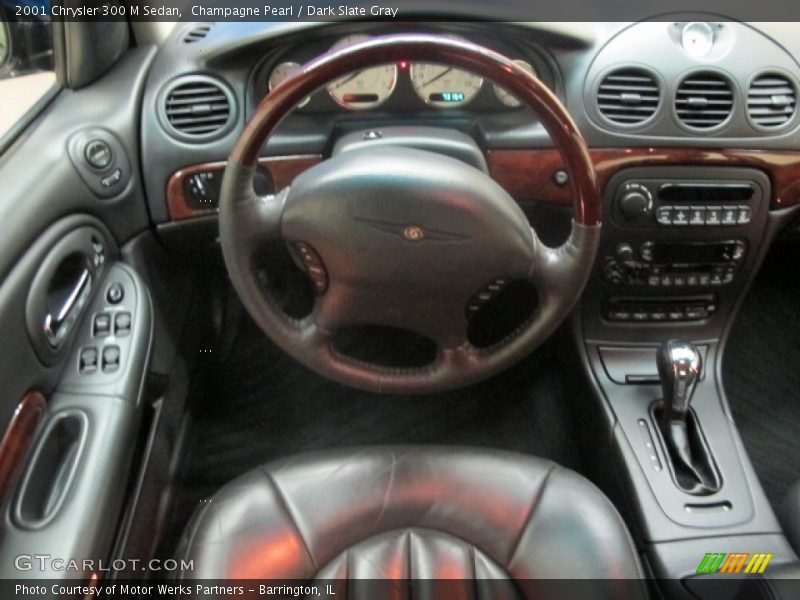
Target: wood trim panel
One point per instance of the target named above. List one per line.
(282, 170)
(528, 174)
(18, 438)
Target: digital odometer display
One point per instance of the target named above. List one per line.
(447, 97)
(444, 86)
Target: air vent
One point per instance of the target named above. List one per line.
(196, 34)
(771, 100)
(198, 108)
(628, 96)
(704, 100)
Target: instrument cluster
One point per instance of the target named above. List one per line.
(401, 86)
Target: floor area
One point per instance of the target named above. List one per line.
(257, 404)
(761, 371)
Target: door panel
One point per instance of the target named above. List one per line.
(65, 459)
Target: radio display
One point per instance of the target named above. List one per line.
(690, 253)
(700, 193)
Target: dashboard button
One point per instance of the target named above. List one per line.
(745, 215)
(664, 215)
(680, 215)
(98, 154)
(713, 215)
(730, 214)
(697, 216)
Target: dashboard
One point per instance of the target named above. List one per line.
(673, 84)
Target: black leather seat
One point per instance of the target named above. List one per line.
(415, 512)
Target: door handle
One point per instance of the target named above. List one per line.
(58, 323)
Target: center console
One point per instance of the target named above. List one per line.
(680, 247)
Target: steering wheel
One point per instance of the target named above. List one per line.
(401, 237)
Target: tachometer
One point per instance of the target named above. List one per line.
(444, 86)
(281, 72)
(365, 88)
(507, 98)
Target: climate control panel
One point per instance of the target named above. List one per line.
(685, 204)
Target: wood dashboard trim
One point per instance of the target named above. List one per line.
(282, 170)
(527, 175)
(18, 438)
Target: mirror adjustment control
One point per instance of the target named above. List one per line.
(115, 293)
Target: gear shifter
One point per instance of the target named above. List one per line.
(679, 367)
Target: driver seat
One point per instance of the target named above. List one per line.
(416, 513)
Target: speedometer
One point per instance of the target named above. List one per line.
(444, 86)
(365, 88)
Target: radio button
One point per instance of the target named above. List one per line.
(619, 315)
(697, 216)
(745, 215)
(676, 315)
(696, 313)
(640, 316)
(666, 280)
(654, 281)
(705, 280)
(680, 280)
(680, 215)
(713, 215)
(664, 215)
(692, 280)
(658, 316)
(729, 215)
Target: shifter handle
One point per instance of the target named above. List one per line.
(679, 367)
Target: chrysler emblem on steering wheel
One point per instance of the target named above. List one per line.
(413, 233)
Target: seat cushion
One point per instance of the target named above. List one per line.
(413, 512)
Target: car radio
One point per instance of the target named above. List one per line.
(674, 265)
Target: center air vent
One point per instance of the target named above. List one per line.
(198, 108)
(771, 100)
(628, 96)
(196, 34)
(704, 100)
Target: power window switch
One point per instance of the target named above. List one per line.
(88, 360)
(110, 359)
(102, 324)
(122, 324)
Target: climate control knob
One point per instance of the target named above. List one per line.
(624, 251)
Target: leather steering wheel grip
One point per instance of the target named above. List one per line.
(559, 274)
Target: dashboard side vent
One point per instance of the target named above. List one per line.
(771, 100)
(628, 96)
(198, 108)
(196, 34)
(704, 100)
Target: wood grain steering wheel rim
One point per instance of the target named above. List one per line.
(559, 274)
